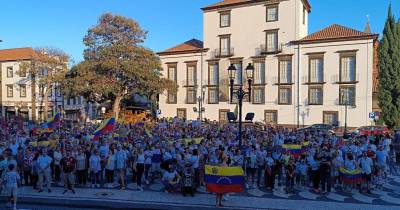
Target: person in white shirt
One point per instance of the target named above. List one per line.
(44, 171)
(10, 180)
(366, 165)
(57, 168)
(95, 168)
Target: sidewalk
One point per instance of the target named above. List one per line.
(128, 199)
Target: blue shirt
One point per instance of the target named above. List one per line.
(44, 162)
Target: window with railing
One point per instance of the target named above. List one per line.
(316, 72)
(259, 73)
(271, 41)
(213, 74)
(285, 71)
(10, 91)
(191, 95)
(348, 68)
(225, 45)
(172, 95)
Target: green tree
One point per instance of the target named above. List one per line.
(116, 65)
(389, 72)
(46, 70)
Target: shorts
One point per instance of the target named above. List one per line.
(366, 177)
(10, 191)
(251, 171)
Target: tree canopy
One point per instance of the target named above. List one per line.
(116, 64)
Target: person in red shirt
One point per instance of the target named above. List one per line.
(68, 168)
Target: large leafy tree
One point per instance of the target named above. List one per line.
(47, 70)
(116, 64)
(389, 72)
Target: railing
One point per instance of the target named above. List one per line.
(266, 50)
(220, 53)
(337, 79)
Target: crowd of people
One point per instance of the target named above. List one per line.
(175, 152)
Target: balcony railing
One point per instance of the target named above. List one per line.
(269, 50)
(221, 53)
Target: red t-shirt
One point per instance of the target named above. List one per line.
(68, 164)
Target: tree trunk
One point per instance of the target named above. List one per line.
(46, 104)
(116, 107)
(33, 88)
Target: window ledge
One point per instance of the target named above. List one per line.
(258, 85)
(315, 83)
(315, 104)
(347, 83)
(291, 83)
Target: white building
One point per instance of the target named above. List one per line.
(16, 88)
(299, 78)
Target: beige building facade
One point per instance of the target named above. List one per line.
(299, 78)
(16, 88)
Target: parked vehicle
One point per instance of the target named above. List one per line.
(318, 127)
(371, 130)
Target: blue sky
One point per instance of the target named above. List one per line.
(63, 23)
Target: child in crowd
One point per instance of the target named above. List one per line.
(10, 181)
(188, 180)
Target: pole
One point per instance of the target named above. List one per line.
(240, 98)
(345, 118)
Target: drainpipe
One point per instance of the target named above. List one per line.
(298, 85)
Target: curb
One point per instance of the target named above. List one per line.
(114, 204)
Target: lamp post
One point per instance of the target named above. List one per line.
(346, 103)
(200, 109)
(240, 93)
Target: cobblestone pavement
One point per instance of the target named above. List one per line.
(386, 198)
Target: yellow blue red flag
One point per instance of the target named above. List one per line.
(224, 179)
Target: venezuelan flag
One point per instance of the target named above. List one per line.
(104, 128)
(294, 149)
(350, 177)
(53, 122)
(224, 179)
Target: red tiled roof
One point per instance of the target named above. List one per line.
(16, 54)
(190, 46)
(227, 3)
(336, 32)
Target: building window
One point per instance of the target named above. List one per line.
(172, 95)
(315, 95)
(191, 75)
(225, 45)
(181, 113)
(213, 74)
(285, 72)
(258, 95)
(285, 96)
(10, 72)
(10, 91)
(68, 101)
(347, 95)
(347, 68)
(239, 72)
(225, 19)
(304, 15)
(74, 100)
(22, 91)
(223, 115)
(259, 73)
(79, 100)
(22, 72)
(190, 95)
(272, 13)
(271, 41)
(59, 91)
(213, 95)
(271, 116)
(316, 73)
(330, 118)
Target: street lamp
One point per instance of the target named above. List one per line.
(344, 98)
(240, 93)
